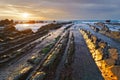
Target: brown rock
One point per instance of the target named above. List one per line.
(102, 44)
(110, 61)
(113, 53)
(116, 71)
(94, 38)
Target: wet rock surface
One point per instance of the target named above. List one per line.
(105, 57)
(84, 67)
(32, 49)
(79, 53)
(108, 31)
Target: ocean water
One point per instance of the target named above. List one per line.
(33, 27)
(111, 27)
(93, 21)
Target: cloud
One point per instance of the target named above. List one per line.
(62, 9)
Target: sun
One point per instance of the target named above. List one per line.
(25, 15)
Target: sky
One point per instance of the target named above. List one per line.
(59, 9)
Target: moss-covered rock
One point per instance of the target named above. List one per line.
(34, 60)
(50, 60)
(21, 74)
(38, 76)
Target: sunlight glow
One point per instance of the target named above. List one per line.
(25, 15)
